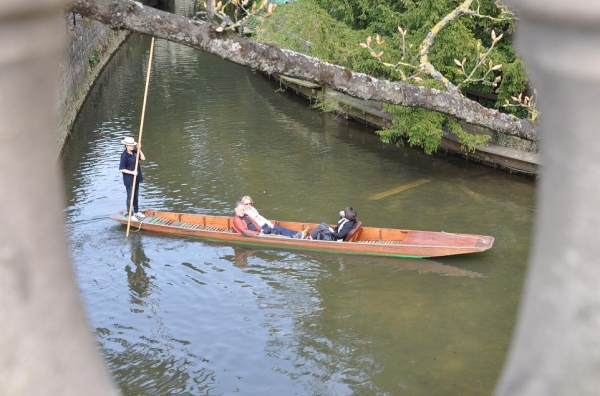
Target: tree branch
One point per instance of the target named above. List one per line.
(271, 59)
(425, 65)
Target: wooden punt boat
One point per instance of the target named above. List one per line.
(370, 241)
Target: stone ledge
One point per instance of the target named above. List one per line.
(372, 113)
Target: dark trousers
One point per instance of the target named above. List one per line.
(320, 227)
(135, 198)
(284, 231)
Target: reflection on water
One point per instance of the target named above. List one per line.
(139, 281)
(422, 266)
(177, 315)
(242, 255)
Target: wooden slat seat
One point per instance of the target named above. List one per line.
(380, 242)
(216, 229)
(185, 225)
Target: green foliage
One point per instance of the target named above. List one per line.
(94, 57)
(424, 128)
(324, 106)
(252, 22)
(378, 15)
(419, 127)
(306, 28)
(514, 81)
(469, 141)
(458, 43)
(332, 29)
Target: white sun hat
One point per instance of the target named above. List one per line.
(129, 141)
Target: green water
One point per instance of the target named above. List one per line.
(176, 315)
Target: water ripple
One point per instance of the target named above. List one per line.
(176, 315)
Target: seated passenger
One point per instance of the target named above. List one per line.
(337, 233)
(245, 225)
(266, 226)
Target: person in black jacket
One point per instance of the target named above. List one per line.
(336, 233)
(127, 167)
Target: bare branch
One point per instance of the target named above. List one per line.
(527, 102)
(481, 57)
(216, 11)
(462, 9)
(503, 18)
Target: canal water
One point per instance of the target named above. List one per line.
(179, 315)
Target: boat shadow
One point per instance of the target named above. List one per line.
(422, 266)
(241, 256)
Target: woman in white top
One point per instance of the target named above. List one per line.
(265, 224)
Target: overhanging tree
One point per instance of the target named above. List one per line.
(268, 58)
(420, 43)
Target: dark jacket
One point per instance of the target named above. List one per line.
(128, 162)
(343, 228)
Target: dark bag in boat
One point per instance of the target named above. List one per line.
(325, 235)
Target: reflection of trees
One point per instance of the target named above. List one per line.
(144, 369)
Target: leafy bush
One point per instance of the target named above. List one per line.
(331, 30)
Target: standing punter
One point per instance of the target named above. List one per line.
(127, 167)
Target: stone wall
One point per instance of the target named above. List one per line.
(90, 45)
